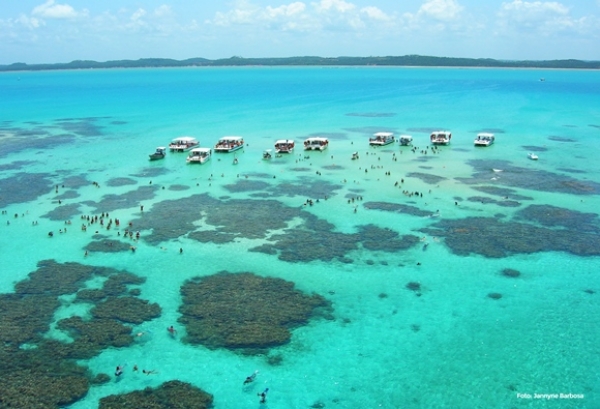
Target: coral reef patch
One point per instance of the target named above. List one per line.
(13, 190)
(224, 221)
(244, 311)
(170, 395)
(38, 371)
(493, 238)
(398, 208)
(524, 178)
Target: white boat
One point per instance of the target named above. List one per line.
(484, 139)
(160, 153)
(440, 137)
(316, 144)
(532, 156)
(382, 139)
(267, 154)
(406, 140)
(183, 143)
(199, 155)
(229, 144)
(284, 146)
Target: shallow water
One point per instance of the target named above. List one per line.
(447, 345)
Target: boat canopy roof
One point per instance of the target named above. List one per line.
(446, 133)
(185, 139)
(316, 138)
(284, 141)
(384, 134)
(231, 138)
(485, 135)
(200, 150)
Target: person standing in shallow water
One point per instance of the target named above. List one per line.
(172, 331)
(263, 396)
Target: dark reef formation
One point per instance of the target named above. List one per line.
(525, 178)
(570, 231)
(244, 311)
(170, 395)
(487, 200)
(311, 239)
(13, 192)
(108, 246)
(127, 200)
(398, 208)
(41, 372)
(426, 177)
(511, 273)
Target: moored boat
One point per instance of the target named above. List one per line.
(382, 139)
(484, 139)
(316, 144)
(284, 146)
(440, 137)
(160, 153)
(229, 144)
(532, 156)
(406, 140)
(183, 143)
(199, 155)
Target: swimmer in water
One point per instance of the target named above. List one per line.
(119, 371)
(250, 379)
(263, 396)
(172, 330)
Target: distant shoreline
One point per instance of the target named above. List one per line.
(402, 61)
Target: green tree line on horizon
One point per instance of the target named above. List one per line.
(406, 61)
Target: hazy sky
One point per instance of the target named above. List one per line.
(36, 31)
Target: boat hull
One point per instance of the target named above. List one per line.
(381, 143)
(227, 150)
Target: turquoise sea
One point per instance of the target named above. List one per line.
(457, 277)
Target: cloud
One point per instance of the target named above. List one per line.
(29, 22)
(536, 10)
(375, 13)
(243, 13)
(443, 10)
(163, 11)
(334, 5)
(547, 18)
(330, 15)
(285, 10)
(138, 14)
(58, 11)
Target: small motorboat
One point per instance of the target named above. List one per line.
(532, 156)
(406, 140)
(160, 153)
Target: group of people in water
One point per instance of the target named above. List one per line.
(120, 369)
(141, 334)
